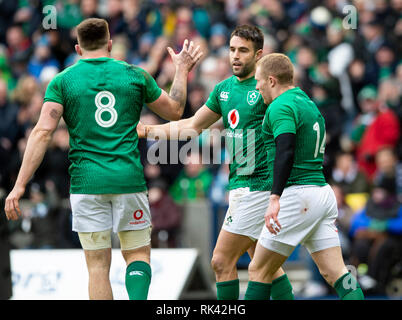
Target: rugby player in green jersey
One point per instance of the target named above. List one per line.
(100, 100)
(302, 206)
(242, 110)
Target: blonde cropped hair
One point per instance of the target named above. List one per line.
(277, 65)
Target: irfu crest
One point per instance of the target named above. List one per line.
(252, 97)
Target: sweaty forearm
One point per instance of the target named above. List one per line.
(175, 130)
(33, 156)
(178, 91)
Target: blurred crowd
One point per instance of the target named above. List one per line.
(352, 69)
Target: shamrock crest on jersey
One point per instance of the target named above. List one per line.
(252, 97)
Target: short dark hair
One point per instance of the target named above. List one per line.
(251, 33)
(93, 34)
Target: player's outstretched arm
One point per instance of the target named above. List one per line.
(37, 144)
(171, 106)
(182, 129)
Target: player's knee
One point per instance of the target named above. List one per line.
(252, 270)
(220, 263)
(98, 262)
(255, 271)
(139, 254)
(260, 272)
(216, 263)
(98, 270)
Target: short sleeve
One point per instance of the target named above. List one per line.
(282, 120)
(151, 89)
(54, 91)
(213, 102)
(265, 124)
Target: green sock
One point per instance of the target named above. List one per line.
(228, 290)
(348, 288)
(282, 289)
(138, 278)
(258, 291)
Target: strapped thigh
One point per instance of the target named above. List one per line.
(133, 239)
(95, 240)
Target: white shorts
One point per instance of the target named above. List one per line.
(245, 215)
(307, 215)
(117, 212)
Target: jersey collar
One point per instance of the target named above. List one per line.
(246, 81)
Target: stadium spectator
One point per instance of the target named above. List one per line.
(7, 11)
(305, 62)
(385, 62)
(340, 55)
(193, 182)
(333, 115)
(56, 163)
(68, 13)
(345, 215)
(115, 17)
(380, 128)
(41, 217)
(219, 196)
(358, 79)
(196, 97)
(219, 38)
(10, 131)
(374, 38)
(166, 216)
(18, 50)
(18, 43)
(134, 24)
(379, 223)
(41, 58)
(347, 176)
(26, 88)
(89, 9)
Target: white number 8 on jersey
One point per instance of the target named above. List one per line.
(108, 107)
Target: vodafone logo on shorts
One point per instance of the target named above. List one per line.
(233, 118)
(137, 215)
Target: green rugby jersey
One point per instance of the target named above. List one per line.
(294, 112)
(242, 110)
(102, 100)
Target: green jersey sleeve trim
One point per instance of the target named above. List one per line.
(157, 93)
(54, 91)
(282, 119)
(212, 102)
(52, 100)
(151, 90)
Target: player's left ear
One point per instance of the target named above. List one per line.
(109, 45)
(272, 81)
(78, 49)
(258, 54)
